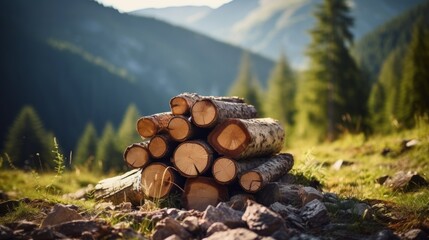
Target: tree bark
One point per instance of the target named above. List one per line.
(207, 112)
(181, 129)
(193, 158)
(161, 146)
(149, 126)
(158, 179)
(137, 155)
(201, 192)
(255, 179)
(226, 170)
(182, 103)
(247, 138)
(123, 188)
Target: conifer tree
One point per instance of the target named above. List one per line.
(86, 147)
(246, 85)
(414, 100)
(108, 157)
(127, 133)
(280, 96)
(28, 144)
(332, 93)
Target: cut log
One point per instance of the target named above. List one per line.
(182, 103)
(149, 126)
(193, 158)
(181, 129)
(247, 138)
(161, 146)
(124, 188)
(201, 192)
(255, 179)
(137, 155)
(207, 112)
(158, 179)
(226, 170)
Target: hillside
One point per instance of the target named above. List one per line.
(373, 48)
(268, 27)
(77, 61)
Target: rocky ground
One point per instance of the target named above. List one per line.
(305, 213)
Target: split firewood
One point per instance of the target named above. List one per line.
(149, 126)
(255, 179)
(158, 179)
(201, 192)
(137, 155)
(161, 146)
(193, 158)
(207, 112)
(247, 138)
(181, 129)
(123, 188)
(182, 103)
(226, 170)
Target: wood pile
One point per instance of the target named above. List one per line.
(206, 148)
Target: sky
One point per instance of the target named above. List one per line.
(131, 5)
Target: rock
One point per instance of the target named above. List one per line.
(8, 206)
(308, 194)
(167, 227)
(269, 194)
(290, 214)
(416, 234)
(86, 235)
(46, 233)
(262, 220)
(315, 214)
(23, 225)
(239, 201)
(216, 227)
(381, 180)
(5, 232)
(304, 236)
(191, 224)
(386, 234)
(75, 228)
(361, 210)
(405, 181)
(236, 234)
(341, 163)
(60, 214)
(330, 197)
(289, 194)
(225, 214)
(174, 237)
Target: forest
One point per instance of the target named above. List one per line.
(69, 101)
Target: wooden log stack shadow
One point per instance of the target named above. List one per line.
(205, 148)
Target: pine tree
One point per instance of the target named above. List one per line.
(414, 99)
(127, 133)
(246, 85)
(108, 157)
(333, 96)
(28, 144)
(86, 147)
(280, 96)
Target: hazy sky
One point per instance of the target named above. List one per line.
(130, 5)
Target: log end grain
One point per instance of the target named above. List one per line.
(192, 158)
(136, 155)
(201, 192)
(179, 128)
(158, 147)
(146, 127)
(179, 105)
(230, 138)
(251, 181)
(224, 170)
(204, 113)
(157, 180)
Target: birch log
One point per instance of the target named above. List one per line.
(149, 126)
(255, 179)
(182, 103)
(247, 138)
(137, 155)
(207, 112)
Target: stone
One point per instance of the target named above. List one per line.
(5, 232)
(23, 225)
(386, 234)
(86, 235)
(223, 213)
(75, 228)
(341, 163)
(308, 194)
(290, 214)
(330, 197)
(269, 194)
(289, 194)
(416, 234)
(216, 227)
(239, 201)
(190, 223)
(361, 210)
(262, 220)
(60, 214)
(174, 237)
(315, 214)
(236, 234)
(167, 227)
(405, 181)
(46, 233)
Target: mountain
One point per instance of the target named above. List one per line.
(175, 15)
(77, 61)
(373, 48)
(270, 26)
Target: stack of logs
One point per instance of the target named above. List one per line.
(206, 148)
